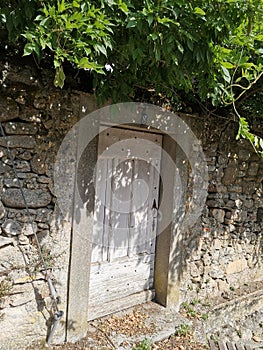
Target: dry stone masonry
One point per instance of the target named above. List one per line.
(228, 241)
(221, 253)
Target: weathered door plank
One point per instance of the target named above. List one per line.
(230, 346)
(212, 345)
(102, 309)
(222, 346)
(240, 347)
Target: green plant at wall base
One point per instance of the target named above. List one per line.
(144, 345)
(194, 302)
(239, 333)
(37, 264)
(183, 330)
(189, 309)
(204, 317)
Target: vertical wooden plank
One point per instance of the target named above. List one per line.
(99, 244)
(222, 346)
(156, 184)
(139, 208)
(121, 195)
(240, 347)
(230, 346)
(133, 229)
(108, 214)
(212, 345)
(151, 213)
(247, 347)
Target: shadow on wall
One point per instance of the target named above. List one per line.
(223, 250)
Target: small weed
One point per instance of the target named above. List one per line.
(205, 317)
(239, 333)
(194, 302)
(5, 287)
(232, 289)
(144, 345)
(190, 287)
(261, 325)
(183, 330)
(189, 310)
(48, 258)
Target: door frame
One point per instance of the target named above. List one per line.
(167, 255)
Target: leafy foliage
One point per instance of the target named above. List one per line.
(144, 345)
(207, 50)
(183, 330)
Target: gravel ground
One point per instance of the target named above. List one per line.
(116, 332)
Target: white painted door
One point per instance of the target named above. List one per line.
(125, 220)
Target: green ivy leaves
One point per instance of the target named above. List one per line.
(74, 31)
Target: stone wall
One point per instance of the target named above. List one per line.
(221, 253)
(224, 251)
(35, 118)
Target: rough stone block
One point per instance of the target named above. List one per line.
(5, 241)
(217, 244)
(20, 141)
(216, 272)
(23, 166)
(243, 154)
(194, 270)
(222, 286)
(218, 214)
(20, 128)
(9, 182)
(11, 256)
(253, 169)
(232, 227)
(2, 211)
(236, 189)
(38, 163)
(11, 227)
(27, 229)
(8, 109)
(34, 198)
(215, 203)
(230, 173)
(23, 240)
(236, 266)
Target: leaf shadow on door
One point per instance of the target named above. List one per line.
(121, 236)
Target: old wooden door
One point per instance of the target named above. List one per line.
(125, 220)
